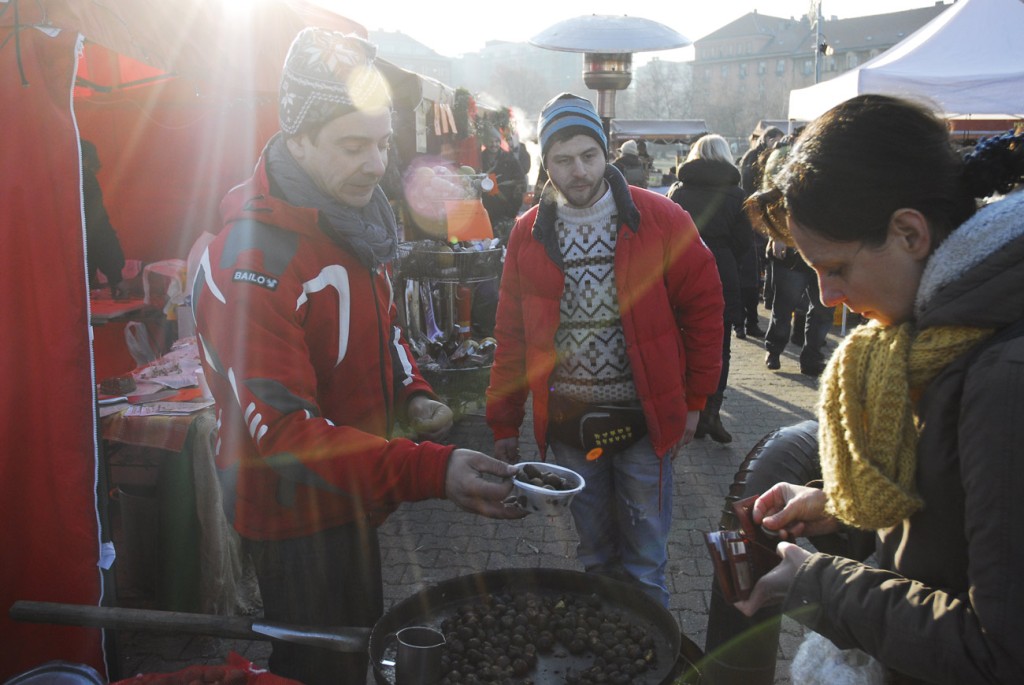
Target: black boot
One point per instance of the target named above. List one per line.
(713, 420)
(702, 426)
(717, 431)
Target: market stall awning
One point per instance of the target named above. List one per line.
(666, 131)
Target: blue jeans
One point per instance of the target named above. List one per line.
(624, 514)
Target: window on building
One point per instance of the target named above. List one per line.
(762, 67)
(851, 60)
(725, 70)
(808, 67)
(743, 71)
(707, 74)
(780, 67)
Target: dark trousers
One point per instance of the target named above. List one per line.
(790, 286)
(332, 578)
(750, 286)
(729, 273)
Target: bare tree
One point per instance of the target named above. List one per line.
(659, 91)
(522, 87)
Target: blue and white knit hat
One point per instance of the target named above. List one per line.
(328, 74)
(567, 111)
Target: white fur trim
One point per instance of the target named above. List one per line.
(993, 226)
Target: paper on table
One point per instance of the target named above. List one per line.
(111, 409)
(176, 381)
(166, 408)
(176, 369)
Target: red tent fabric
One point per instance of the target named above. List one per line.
(170, 149)
(169, 155)
(242, 42)
(48, 465)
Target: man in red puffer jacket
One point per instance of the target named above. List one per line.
(610, 314)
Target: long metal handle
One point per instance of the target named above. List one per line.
(345, 639)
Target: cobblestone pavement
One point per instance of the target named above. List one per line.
(427, 542)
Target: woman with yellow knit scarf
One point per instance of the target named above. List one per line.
(921, 417)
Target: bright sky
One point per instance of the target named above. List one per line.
(454, 28)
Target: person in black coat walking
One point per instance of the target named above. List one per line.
(709, 189)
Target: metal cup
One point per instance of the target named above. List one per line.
(419, 656)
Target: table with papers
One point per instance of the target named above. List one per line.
(201, 567)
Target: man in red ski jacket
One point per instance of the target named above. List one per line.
(300, 344)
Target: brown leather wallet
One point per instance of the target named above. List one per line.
(742, 556)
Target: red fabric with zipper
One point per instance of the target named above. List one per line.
(48, 466)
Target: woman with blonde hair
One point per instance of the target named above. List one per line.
(709, 189)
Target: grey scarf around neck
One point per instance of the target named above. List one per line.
(370, 232)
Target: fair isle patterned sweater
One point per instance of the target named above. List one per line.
(593, 366)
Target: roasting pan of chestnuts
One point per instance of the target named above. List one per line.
(540, 626)
(508, 627)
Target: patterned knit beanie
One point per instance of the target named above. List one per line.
(328, 74)
(568, 112)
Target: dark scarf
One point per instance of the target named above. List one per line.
(370, 233)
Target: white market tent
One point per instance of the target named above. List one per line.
(969, 60)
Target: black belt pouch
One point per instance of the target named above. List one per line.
(608, 427)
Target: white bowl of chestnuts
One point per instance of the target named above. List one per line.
(545, 488)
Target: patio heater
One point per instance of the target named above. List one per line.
(608, 43)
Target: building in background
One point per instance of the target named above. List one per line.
(743, 72)
(521, 75)
(412, 55)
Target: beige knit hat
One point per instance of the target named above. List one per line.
(328, 74)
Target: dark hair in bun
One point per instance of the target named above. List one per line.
(873, 154)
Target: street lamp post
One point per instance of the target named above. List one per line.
(817, 41)
(821, 46)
